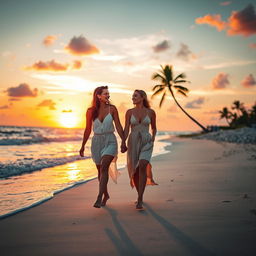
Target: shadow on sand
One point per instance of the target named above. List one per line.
(192, 247)
(123, 243)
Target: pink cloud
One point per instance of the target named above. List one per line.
(225, 3)
(22, 90)
(248, 81)
(49, 40)
(48, 66)
(185, 53)
(54, 66)
(172, 108)
(252, 45)
(220, 81)
(81, 46)
(195, 103)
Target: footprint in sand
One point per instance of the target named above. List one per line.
(226, 201)
(170, 200)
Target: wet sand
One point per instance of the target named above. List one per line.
(205, 204)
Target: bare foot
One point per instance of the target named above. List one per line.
(97, 204)
(105, 199)
(139, 205)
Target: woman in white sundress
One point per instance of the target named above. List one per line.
(140, 143)
(100, 116)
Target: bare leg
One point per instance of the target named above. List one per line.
(105, 162)
(106, 195)
(142, 182)
(136, 179)
(98, 168)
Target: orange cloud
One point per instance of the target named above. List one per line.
(53, 66)
(22, 90)
(243, 22)
(47, 103)
(77, 64)
(220, 81)
(49, 40)
(212, 20)
(248, 81)
(239, 23)
(81, 46)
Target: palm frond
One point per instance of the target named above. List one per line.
(157, 76)
(157, 92)
(182, 88)
(181, 92)
(162, 100)
(181, 81)
(157, 86)
(182, 76)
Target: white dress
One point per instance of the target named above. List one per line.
(104, 142)
(140, 146)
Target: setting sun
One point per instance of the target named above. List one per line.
(68, 120)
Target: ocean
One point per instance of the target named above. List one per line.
(38, 162)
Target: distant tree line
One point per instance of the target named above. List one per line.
(239, 116)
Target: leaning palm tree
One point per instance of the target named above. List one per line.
(225, 113)
(167, 83)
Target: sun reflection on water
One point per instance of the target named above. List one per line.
(73, 173)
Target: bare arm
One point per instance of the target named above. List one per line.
(87, 130)
(127, 124)
(153, 124)
(118, 125)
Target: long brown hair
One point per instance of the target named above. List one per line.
(96, 102)
(144, 96)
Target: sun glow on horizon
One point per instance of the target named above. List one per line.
(68, 120)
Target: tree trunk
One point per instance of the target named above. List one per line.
(228, 121)
(204, 129)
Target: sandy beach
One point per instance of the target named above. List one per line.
(205, 204)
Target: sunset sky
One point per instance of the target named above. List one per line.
(54, 53)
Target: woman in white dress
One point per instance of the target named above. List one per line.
(140, 143)
(100, 116)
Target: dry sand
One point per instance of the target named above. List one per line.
(205, 204)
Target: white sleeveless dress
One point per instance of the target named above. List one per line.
(140, 146)
(104, 142)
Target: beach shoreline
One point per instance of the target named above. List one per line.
(204, 205)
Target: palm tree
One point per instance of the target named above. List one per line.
(167, 83)
(238, 106)
(225, 113)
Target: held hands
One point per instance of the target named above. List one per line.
(123, 147)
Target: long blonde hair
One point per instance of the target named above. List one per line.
(144, 96)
